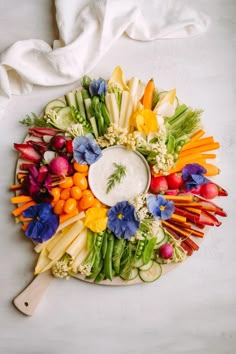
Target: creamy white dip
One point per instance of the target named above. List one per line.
(136, 180)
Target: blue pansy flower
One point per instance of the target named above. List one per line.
(123, 220)
(44, 223)
(86, 150)
(193, 176)
(159, 207)
(98, 87)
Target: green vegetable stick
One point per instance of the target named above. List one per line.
(108, 258)
(147, 253)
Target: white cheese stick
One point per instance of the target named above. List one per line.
(78, 244)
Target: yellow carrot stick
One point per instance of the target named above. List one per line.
(193, 210)
(200, 142)
(21, 199)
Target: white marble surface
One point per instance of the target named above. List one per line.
(191, 310)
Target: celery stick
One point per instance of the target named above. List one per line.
(60, 247)
(94, 126)
(70, 99)
(87, 103)
(179, 110)
(80, 103)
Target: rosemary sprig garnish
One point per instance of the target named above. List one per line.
(116, 176)
(34, 121)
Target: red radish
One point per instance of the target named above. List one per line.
(158, 185)
(59, 166)
(69, 146)
(209, 191)
(40, 131)
(28, 152)
(166, 251)
(58, 142)
(175, 180)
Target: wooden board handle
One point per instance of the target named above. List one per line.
(29, 298)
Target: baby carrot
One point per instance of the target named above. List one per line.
(148, 94)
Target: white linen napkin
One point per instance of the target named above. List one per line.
(87, 30)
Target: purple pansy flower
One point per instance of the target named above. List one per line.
(159, 207)
(193, 176)
(44, 223)
(86, 150)
(123, 220)
(98, 88)
(38, 184)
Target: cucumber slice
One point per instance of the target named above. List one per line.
(138, 263)
(160, 260)
(64, 118)
(146, 266)
(160, 238)
(151, 274)
(54, 104)
(133, 274)
(70, 99)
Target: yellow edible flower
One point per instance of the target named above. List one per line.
(145, 121)
(96, 219)
(118, 78)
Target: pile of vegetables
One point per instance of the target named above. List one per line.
(75, 233)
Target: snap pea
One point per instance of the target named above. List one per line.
(100, 277)
(90, 239)
(104, 245)
(96, 271)
(119, 246)
(139, 249)
(108, 257)
(147, 253)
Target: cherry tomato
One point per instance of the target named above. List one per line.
(80, 168)
(96, 203)
(80, 181)
(86, 201)
(67, 183)
(66, 193)
(70, 205)
(69, 146)
(55, 192)
(76, 192)
(58, 207)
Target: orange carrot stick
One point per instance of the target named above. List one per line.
(148, 94)
(179, 198)
(194, 210)
(15, 187)
(21, 199)
(65, 217)
(200, 142)
(19, 210)
(179, 218)
(179, 230)
(203, 148)
(24, 226)
(197, 135)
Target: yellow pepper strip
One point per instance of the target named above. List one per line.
(96, 219)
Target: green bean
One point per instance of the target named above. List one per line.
(108, 257)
